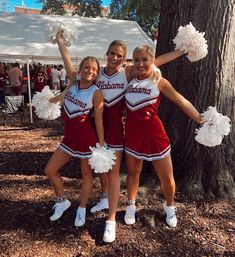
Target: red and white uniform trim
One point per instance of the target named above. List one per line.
(113, 88)
(79, 130)
(145, 136)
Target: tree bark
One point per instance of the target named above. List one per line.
(199, 170)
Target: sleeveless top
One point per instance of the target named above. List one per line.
(142, 99)
(113, 88)
(78, 102)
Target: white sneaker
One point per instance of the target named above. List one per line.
(59, 209)
(130, 214)
(101, 205)
(80, 217)
(171, 219)
(110, 231)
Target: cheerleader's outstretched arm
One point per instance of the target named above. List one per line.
(168, 57)
(69, 67)
(186, 106)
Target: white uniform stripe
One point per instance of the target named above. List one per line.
(134, 107)
(148, 157)
(75, 154)
(115, 147)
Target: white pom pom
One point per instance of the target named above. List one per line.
(102, 159)
(69, 32)
(192, 42)
(43, 108)
(215, 127)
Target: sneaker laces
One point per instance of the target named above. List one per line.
(57, 207)
(101, 202)
(170, 211)
(80, 216)
(109, 228)
(130, 210)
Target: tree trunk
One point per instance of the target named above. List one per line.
(200, 170)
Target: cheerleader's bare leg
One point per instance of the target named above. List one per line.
(114, 187)
(134, 167)
(103, 182)
(87, 182)
(134, 170)
(113, 196)
(103, 201)
(56, 162)
(164, 170)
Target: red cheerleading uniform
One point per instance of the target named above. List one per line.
(79, 131)
(113, 88)
(145, 136)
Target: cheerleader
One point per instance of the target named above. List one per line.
(145, 136)
(81, 131)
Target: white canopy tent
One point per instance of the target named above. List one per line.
(22, 38)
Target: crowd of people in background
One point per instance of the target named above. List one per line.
(14, 78)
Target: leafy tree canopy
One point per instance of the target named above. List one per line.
(53, 6)
(145, 13)
(89, 8)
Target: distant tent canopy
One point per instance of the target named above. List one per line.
(22, 37)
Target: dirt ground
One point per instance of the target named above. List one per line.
(205, 228)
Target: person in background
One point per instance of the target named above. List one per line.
(48, 71)
(145, 136)
(3, 83)
(15, 79)
(62, 77)
(40, 79)
(55, 74)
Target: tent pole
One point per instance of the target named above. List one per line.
(29, 92)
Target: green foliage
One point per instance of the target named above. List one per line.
(119, 9)
(89, 8)
(86, 8)
(53, 6)
(145, 13)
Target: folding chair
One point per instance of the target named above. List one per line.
(13, 109)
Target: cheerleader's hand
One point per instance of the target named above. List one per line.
(214, 127)
(51, 100)
(59, 35)
(102, 159)
(44, 108)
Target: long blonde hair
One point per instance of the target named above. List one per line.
(74, 81)
(156, 75)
